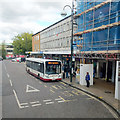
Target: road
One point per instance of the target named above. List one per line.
(24, 96)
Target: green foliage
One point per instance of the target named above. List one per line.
(3, 50)
(22, 43)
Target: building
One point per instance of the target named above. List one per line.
(54, 41)
(96, 37)
(36, 42)
(98, 34)
(54, 38)
(9, 50)
(57, 36)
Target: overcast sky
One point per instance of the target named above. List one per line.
(18, 16)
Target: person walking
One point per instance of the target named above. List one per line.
(87, 78)
(67, 72)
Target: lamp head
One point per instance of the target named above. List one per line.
(63, 13)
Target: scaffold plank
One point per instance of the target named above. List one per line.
(98, 28)
(95, 7)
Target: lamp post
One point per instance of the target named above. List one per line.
(64, 14)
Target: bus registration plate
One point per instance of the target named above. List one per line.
(53, 79)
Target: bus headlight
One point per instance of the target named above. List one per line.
(59, 75)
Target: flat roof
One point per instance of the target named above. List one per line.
(58, 52)
(52, 52)
(52, 25)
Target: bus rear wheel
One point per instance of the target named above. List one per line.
(39, 76)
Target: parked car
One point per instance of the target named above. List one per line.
(14, 60)
(1, 59)
(18, 59)
(23, 59)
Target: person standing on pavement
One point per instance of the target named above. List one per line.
(67, 72)
(87, 78)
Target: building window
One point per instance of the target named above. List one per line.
(64, 27)
(61, 28)
(68, 26)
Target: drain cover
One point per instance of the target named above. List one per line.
(108, 92)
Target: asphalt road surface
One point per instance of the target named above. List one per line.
(24, 96)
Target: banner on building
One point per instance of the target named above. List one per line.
(117, 83)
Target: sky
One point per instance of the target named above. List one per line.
(19, 16)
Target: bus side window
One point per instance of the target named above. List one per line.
(27, 63)
(35, 64)
(42, 67)
(38, 67)
(30, 65)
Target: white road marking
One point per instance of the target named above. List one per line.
(10, 82)
(8, 75)
(26, 106)
(50, 103)
(34, 102)
(36, 105)
(60, 101)
(5, 68)
(31, 89)
(46, 100)
(17, 100)
(23, 103)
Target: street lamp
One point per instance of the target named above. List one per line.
(25, 42)
(64, 14)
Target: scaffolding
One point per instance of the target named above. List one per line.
(99, 27)
(106, 56)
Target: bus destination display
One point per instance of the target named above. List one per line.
(53, 63)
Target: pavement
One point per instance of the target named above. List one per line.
(102, 90)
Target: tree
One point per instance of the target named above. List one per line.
(22, 43)
(3, 50)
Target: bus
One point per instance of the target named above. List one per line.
(44, 69)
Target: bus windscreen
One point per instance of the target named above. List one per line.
(53, 67)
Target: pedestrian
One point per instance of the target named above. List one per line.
(75, 68)
(63, 71)
(87, 78)
(67, 72)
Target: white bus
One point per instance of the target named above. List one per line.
(45, 69)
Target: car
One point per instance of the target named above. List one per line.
(18, 59)
(13, 60)
(23, 59)
(1, 59)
